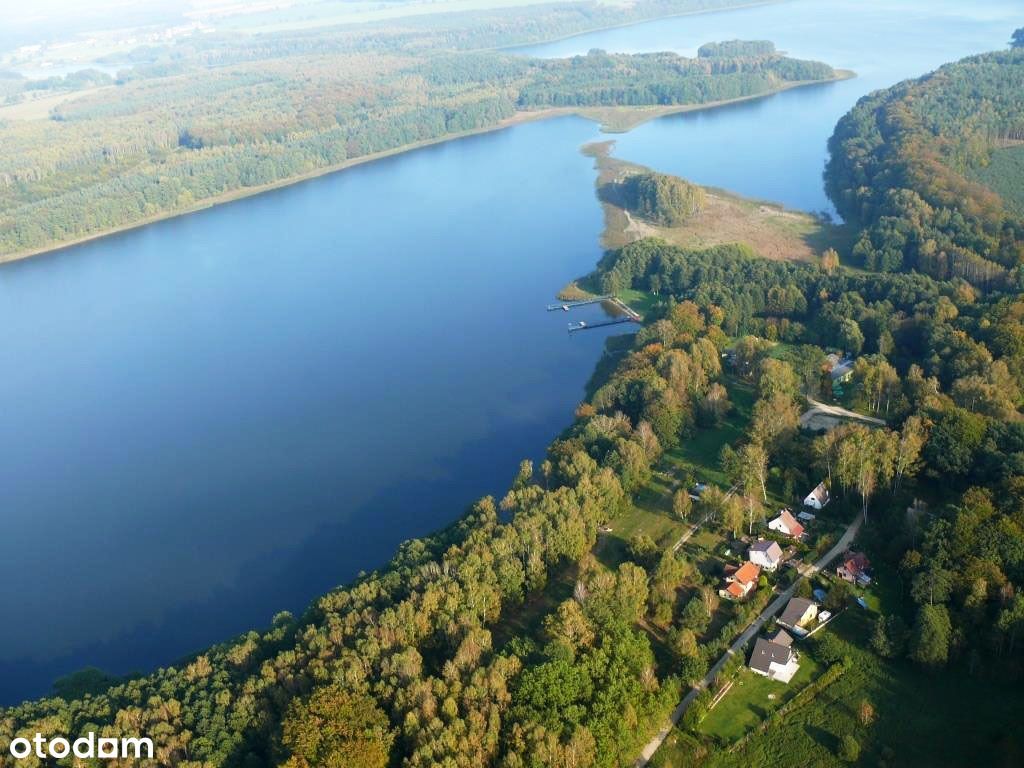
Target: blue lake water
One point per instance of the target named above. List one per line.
(217, 417)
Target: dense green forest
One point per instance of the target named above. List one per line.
(216, 114)
(731, 48)
(661, 198)
(603, 79)
(906, 164)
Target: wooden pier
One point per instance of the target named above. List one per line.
(582, 326)
(566, 306)
(629, 315)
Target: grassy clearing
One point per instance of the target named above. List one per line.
(641, 301)
(699, 453)
(38, 107)
(650, 514)
(528, 619)
(1003, 176)
(752, 698)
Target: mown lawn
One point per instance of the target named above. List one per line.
(640, 301)
(752, 698)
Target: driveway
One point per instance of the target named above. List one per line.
(824, 416)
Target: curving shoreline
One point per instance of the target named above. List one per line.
(609, 119)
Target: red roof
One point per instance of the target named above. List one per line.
(795, 529)
(747, 573)
(734, 589)
(856, 562)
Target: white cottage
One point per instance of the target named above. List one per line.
(817, 498)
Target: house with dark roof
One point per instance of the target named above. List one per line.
(787, 525)
(774, 657)
(842, 371)
(798, 614)
(765, 554)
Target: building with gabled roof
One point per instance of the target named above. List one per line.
(766, 554)
(817, 498)
(787, 525)
(798, 613)
(853, 567)
(740, 582)
(774, 658)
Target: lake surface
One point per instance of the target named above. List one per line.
(220, 416)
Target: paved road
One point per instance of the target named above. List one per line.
(737, 647)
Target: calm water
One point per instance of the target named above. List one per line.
(217, 417)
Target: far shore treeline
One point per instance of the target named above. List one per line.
(215, 116)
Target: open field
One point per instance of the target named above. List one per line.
(37, 106)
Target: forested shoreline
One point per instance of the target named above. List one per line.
(213, 119)
(904, 168)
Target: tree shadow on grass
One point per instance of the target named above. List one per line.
(828, 740)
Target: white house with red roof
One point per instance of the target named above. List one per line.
(787, 525)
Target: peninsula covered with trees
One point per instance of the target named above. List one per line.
(661, 198)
